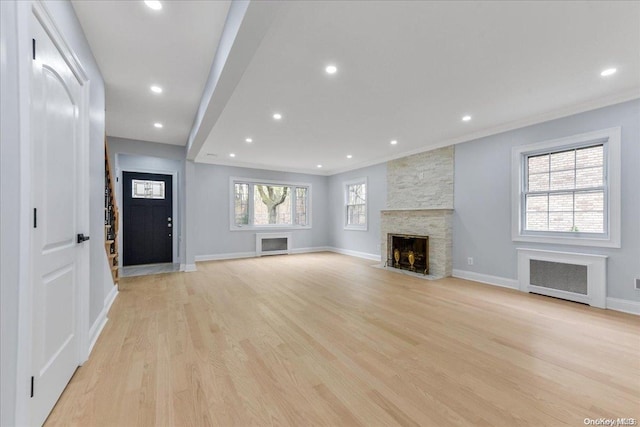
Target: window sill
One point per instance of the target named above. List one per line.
(604, 242)
(356, 228)
(269, 228)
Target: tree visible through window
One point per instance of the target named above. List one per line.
(272, 205)
(258, 204)
(301, 205)
(241, 206)
(356, 205)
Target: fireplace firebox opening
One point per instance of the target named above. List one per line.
(408, 252)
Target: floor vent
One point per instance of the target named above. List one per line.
(570, 276)
(273, 243)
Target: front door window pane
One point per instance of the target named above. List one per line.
(144, 189)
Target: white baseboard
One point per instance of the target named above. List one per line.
(616, 304)
(238, 255)
(218, 257)
(623, 305)
(365, 255)
(486, 278)
(311, 250)
(108, 301)
(101, 321)
(96, 330)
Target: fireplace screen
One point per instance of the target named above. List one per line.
(408, 252)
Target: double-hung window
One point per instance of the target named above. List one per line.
(568, 190)
(269, 204)
(355, 196)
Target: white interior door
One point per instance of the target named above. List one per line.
(56, 135)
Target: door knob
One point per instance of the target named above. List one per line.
(82, 238)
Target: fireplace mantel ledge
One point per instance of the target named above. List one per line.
(416, 210)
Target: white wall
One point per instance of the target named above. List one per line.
(210, 210)
(367, 242)
(482, 217)
(14, 22)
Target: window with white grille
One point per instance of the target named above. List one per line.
(269, 204)
(356, 204)
(565, 192)
(568, 190)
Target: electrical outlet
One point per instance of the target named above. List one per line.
(638, 284)
(378, 247)
(470, 261)
(421, 175)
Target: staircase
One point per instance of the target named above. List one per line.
(111, 217)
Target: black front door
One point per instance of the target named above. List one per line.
(147, 218)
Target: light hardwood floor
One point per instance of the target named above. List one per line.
(325, 339)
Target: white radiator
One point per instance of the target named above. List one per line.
(273, 243)
(571, 276)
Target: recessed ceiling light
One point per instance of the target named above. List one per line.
(153, 4)
(318, 166)
(466, 118)
(249, 140)
(608, 72)
(158, 125)
(394, 142)
(349, 156)
(232, 155)
(331, 69)
(277, 116)
(156, 89)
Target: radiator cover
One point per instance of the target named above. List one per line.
(273, 243)
(558, 275)
(571, 276)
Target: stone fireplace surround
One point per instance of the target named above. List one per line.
(435, 223)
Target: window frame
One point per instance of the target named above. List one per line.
(610, 139)
(345, 189)
(252, 182)
(134, 193)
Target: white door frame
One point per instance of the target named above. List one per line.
(26, 11)
(175, 244)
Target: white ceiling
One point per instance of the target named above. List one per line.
(136, 47)
(410, 71)
(406, 70)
